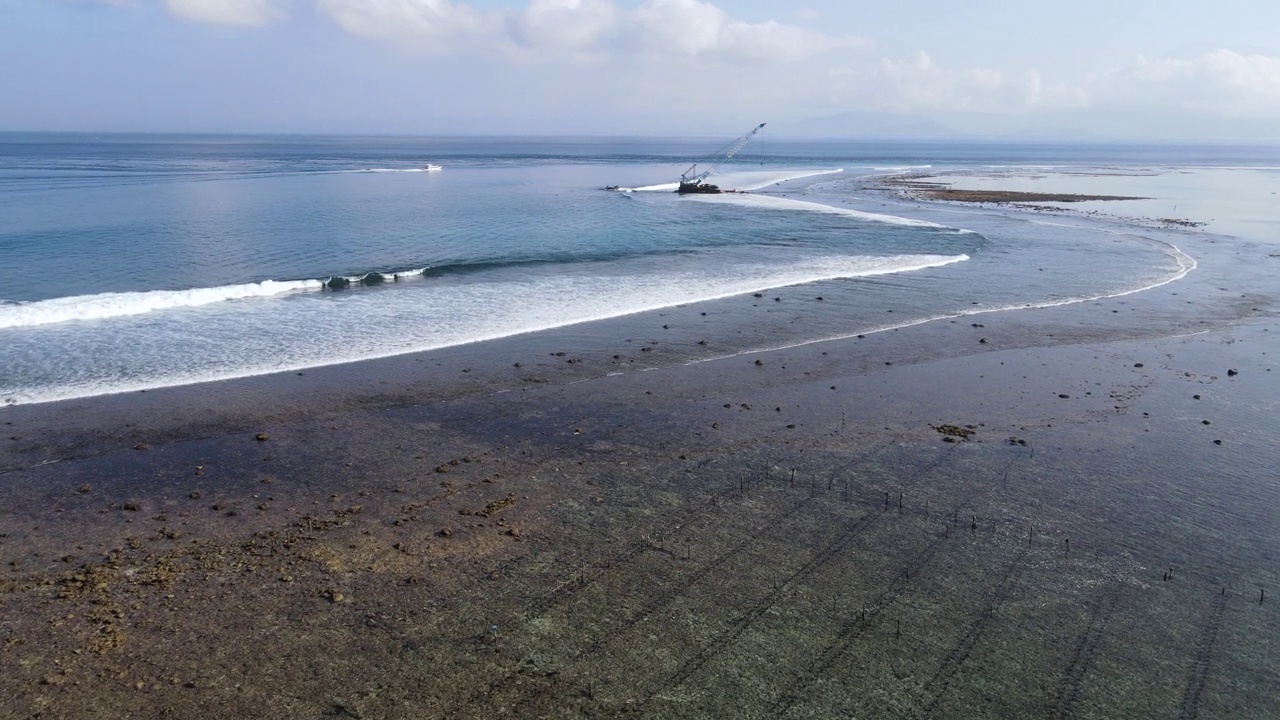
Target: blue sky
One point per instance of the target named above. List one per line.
(1081, 70)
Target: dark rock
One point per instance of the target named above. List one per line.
(261, 437)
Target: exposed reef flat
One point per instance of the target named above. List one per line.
(1065, 512)
(921, 188)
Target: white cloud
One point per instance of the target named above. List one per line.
(920, 84)
(224, 12)
(1221, 81)
(695, 28)
(574, 25)
(439, 22)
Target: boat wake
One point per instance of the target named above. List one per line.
(742, 181)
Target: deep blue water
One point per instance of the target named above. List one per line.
(129, 262)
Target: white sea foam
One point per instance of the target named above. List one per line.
(744, 180)
(255, 338)
(391, 170)
(772, 202)
(109, 305)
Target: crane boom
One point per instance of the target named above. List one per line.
(691, 178)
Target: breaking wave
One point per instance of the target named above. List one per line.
(102, 306)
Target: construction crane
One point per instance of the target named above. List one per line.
(692, 181)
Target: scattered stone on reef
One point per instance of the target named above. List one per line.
(83, 489)
(1064, 396)
(512, 532)
(861, 337)
(1232, 373)
(715, 426)
(777, 299)
(666, 327)
(1195, 397)
(130, 506)
(791, 427)
(1206, 422)
(194, 495)
(983, 341)
(336, 597)
(819, 297)
(558, 354)
(445, 532)
(949, 439)
(702, 342)
(1217, 442)
(495, 575)
(757, 295)
(950, 430)
(646, 349)
(442, 468)
(746, 406)
(759, 362)
(141, 446)
(888, 362)
(261, 437)
(517, 365)
(1137, 365)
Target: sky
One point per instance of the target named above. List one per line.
(1087, 70)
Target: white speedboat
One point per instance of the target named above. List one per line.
(432, 167)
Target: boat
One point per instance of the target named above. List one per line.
(693, 182)
(698, 188)
(432, 167)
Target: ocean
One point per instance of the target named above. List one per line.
(135, 262)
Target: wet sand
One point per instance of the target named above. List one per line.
(1065, 512)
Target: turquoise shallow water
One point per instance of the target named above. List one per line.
(134, 262)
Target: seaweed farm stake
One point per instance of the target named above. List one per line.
(886, 500)
(1262, 592)
(793, 477)
(899, 503)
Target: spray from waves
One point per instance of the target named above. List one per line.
(771, 202)
(103, 306)
(743, 181)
